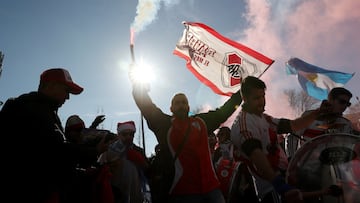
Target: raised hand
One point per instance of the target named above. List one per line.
(99, 119)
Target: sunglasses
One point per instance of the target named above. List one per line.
(344, 102)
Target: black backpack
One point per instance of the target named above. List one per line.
(162, 171)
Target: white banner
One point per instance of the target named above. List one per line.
(217, 61)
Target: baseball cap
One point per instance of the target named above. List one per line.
(61, 75)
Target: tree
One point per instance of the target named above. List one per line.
(354, 108)
(299, 101)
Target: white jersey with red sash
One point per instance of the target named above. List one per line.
(337, 124)
(264, 128)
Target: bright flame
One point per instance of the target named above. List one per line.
(132, 36)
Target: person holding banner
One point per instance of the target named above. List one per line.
(186, 139)
(255, 134)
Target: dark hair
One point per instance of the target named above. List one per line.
(211, 134)
(249, 83)
(225, 129)
(337, 91)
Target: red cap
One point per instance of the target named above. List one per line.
(62, 76)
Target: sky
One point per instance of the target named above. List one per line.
(91, 38)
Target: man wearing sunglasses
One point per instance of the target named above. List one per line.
(339, 98)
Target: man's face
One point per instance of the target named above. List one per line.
(180, 106)
(222, 137)
(127, 136)
(340, 103)
(256, 101)
(57, 91)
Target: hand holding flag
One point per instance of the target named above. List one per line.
(316, 81)
(217, 61)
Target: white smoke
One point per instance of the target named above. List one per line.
(322, 32)
(146, 12)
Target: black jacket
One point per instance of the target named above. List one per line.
(160, 122)
(38, 160)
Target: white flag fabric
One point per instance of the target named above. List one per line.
(217, 61)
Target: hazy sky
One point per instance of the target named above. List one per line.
(90, 38)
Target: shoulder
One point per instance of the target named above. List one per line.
(342, 118)
(268, 117)
(197, 121)
(15, 103)
(307, 112)
(196, 118)
(344, 121)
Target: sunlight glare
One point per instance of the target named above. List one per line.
(143, 73)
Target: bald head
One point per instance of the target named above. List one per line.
(180, 106)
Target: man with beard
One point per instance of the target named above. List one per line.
(255, 134)
(185, 138)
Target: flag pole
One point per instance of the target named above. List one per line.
(141, 115)
(132, 53)
(1, 62)
(266, 68)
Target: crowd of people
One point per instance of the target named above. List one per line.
(197, 158)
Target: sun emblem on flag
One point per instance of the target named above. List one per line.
(311, 77)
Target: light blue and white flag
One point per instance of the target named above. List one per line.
(316, 81)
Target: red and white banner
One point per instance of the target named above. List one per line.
(217, 61)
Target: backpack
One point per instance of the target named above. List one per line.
(162, 172)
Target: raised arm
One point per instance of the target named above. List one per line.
(214, 118)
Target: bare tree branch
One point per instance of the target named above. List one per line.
(299, 101)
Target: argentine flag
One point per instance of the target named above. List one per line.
(316, 81)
